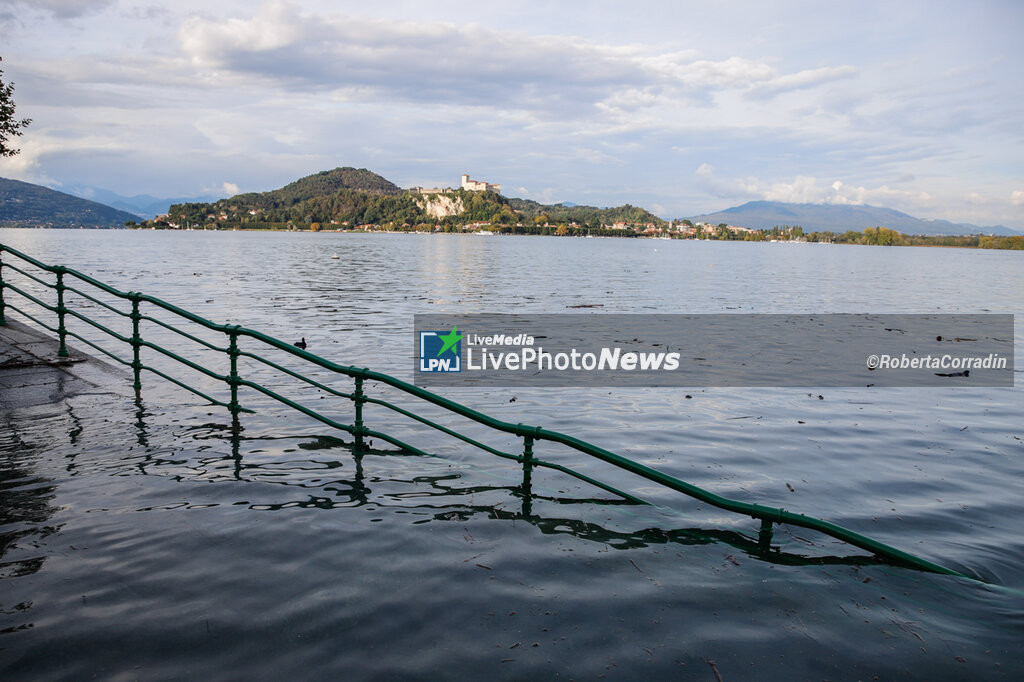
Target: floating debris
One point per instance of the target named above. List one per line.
(714, 669)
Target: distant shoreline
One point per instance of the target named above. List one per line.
(986, 242)
(870, 237)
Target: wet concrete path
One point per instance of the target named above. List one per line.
(32, 373)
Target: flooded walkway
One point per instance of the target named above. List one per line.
(151, 540)
(32, 373)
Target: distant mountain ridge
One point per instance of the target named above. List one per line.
(23, 204)
(764, 215)
(142, 205)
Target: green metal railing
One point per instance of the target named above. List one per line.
(530, 435)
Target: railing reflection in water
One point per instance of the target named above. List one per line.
(317, 373)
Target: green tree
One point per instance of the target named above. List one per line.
(9, 125)
(881, 236)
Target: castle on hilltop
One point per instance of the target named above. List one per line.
(476, 186)
(467, 184)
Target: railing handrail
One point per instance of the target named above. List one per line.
(529, 434)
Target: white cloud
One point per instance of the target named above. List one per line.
(799, 81)
(548, 195)
(734, 72)
(226, 188)
(27, 165)
(441, 62)
(276, 25)
(1017, 198)
(809, 190)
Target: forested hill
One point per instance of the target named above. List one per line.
(324, 183)
(351, 197)
(328, 182)
(585, 215)
(23, 204)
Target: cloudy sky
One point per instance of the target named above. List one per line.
(678, 106)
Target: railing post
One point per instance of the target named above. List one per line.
(358, 397)
(764, 537)
(61, 310)
(233, 377)
(527, 490)
(527, 464)
(136, 318)
(3, 321)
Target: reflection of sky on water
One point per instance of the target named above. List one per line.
(156, 517)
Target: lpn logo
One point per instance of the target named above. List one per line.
(440, 351)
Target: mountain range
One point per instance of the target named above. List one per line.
(23, 204)
(141, 205)
(764, 215)
(360, 190)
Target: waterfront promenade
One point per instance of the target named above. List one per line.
(32, 373)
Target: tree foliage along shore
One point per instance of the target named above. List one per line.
(872, 236)
(882, 236)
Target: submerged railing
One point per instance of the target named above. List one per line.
(530, 435)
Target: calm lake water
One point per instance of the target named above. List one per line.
(142, 540)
